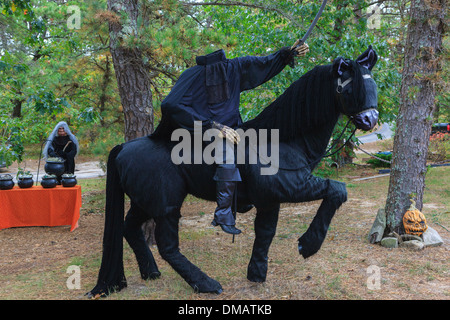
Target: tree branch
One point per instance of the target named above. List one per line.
(243, 4)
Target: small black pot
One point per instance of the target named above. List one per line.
(53, 167)
(25, 182)
(68, 181)
(49, 182)
(6, 183)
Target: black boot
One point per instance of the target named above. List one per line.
(226, 228)
(226, 184)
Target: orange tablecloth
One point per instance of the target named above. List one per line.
(37, 206)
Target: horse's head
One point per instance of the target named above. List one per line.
(356, 91)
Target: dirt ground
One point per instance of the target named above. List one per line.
(338, 271)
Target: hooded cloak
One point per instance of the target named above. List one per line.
(54, 134)
(66, 147)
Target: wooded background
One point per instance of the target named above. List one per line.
(57, 65)
(105, 66)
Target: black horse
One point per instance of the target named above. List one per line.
(305, 115)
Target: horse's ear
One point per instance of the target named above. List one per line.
(340, 65)
(368, 58)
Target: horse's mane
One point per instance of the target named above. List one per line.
(308, 103)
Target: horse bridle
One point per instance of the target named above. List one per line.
(341, 85)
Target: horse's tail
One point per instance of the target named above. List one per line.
(111, 276)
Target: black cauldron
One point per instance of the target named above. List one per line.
(68, 180)
(25, 182)
(49, 181)
(6, 182)
(54, 166)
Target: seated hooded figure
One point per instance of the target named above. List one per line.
(209, 94)
(63, 144)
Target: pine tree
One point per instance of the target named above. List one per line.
(422, 62)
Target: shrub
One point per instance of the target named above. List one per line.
(376, 163)
(439, 147)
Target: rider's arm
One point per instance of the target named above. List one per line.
(255, 71)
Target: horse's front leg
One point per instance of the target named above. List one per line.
(334, 194)
(265, 228)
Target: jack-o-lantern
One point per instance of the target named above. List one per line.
(414, 221)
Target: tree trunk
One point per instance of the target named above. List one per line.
(420, 75)
(17, 109)
(132, 78)
(104, 89)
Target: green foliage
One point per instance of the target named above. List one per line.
(11, 142)
(377, 163)
(55, 73)
(98, 141)
(343, 131)
(89, 114)
(170, 34)
(264, 27)
(23, 10)
(46, 102)
(326, 169)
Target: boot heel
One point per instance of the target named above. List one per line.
(230, 229)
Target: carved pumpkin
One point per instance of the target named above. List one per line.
(414, 221)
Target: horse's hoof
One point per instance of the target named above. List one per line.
(152, 276)
(300, 248)
(210, 286)
(303, 252)
(306, 253)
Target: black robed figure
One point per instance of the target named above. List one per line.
(62, 143)
(209, 93)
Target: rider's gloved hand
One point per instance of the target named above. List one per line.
(227, 132)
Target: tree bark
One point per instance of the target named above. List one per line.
(17, 109)
(104, 89)
(420, 76)
(132, 76)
